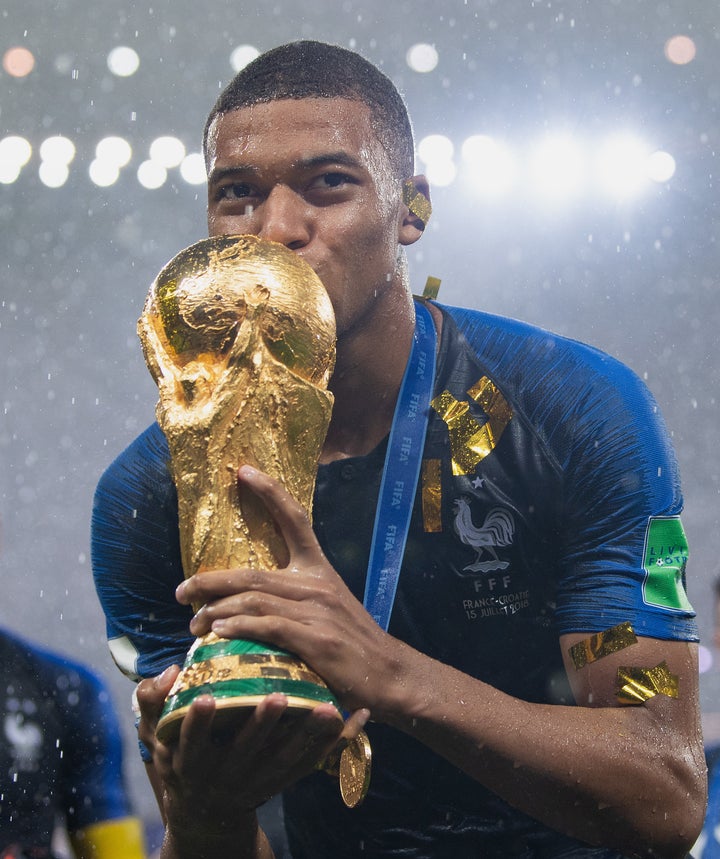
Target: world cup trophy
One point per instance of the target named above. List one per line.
(239, 335)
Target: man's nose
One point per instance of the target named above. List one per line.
(283, 218)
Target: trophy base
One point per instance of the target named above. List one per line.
(230, 714)
(239, 674)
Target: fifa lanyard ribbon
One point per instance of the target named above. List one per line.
(401, 471)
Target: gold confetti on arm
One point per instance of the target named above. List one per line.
(602, 644)
(636, 685)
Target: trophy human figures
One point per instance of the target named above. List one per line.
(239, 335)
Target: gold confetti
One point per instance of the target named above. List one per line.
(416, 201)
(637, 685)
(602, 644)
(431, 496)
(432, 287)
(471, 442)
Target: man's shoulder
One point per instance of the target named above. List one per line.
(517, 351)
(493, 332)
(145, 459)
(149, 446)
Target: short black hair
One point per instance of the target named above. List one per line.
(309, 69)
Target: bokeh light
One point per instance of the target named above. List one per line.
(621, 166)
(441, 173)
(103, 172)
(151, 175)
(242, 55)
(705, 659)
(192, 169)
(436, 153)
(422, 57)
(15, 149)
(167, 151)
(680, 50)
(9, 172)
(53, 174)
(15, 152)
(557, 167)
(123, 61)
(490, 165)
(660, 166)
(114, 150)
(57, 150)
(435, 147)
(18, 62)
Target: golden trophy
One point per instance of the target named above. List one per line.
(239, 335)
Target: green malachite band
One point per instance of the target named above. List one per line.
(246, 688)
(231, 647)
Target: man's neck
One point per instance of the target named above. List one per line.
(368, 373)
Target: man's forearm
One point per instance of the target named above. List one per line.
(242, 839)
(598, 775)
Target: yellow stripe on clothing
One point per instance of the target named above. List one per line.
(111, 839)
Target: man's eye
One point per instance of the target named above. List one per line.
(335, 180)
(235, 191)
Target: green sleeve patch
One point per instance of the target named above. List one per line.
(665, 556)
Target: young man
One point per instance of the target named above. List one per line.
(531, 690)
(60, 759)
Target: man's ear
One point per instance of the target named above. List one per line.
(416, 209)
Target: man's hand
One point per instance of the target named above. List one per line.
(270, 749)
(208, 785)
(304, 608)
(225, 777)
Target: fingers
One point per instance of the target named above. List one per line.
(253, 595)
(242, 758)
(151, 695)
(351, 729)
(260, 616)
(355, 723)
(195, 729)
(290, 516)
(308, 741)
(305, 552)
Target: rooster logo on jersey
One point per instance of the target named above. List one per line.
(496, 531)
(23, 736)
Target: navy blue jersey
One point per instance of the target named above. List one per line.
(548, 503)
(60, 755)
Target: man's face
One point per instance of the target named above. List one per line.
(311, 174)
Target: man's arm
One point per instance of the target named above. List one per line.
(627, 777)
(236, 835)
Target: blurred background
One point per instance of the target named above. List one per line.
(572, 147)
